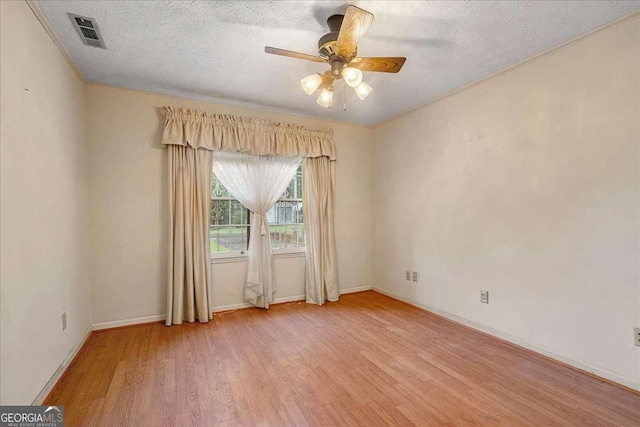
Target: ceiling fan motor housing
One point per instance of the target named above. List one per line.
(327, 43)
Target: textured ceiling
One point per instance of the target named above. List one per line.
(216, 49)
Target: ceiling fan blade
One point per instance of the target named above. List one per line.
(354, 25)
(292, 54)
(380, 64)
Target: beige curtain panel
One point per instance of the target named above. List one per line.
(220, 132)
(318, 194)
(189, 261)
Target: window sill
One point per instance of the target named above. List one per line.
(228, 257)
(289, 253)
(238, 257)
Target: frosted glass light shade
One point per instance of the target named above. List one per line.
(310, 83)
(362, 90)
(326, 98)
(352, 76)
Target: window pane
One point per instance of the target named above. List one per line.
(286, 235)
(299, 218)
(220, 212)
(289, 237)
(217, 235)
(274, 232)
(238, 213)
(237, 239)
(300, 235)
(299, 182)
(217, 189)
(289, 193)
(229, 239)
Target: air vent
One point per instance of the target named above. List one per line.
(88, 30)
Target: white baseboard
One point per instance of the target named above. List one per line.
(61, 369)
(282, 300)
(219, 308)
(128, 322)
(517, 341)
(355, 289)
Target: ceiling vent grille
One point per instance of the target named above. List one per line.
(88, 30)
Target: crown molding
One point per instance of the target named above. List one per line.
(54, 37)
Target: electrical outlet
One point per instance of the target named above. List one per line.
(408, 275)
(64, 320)
(416, 276)
(636, 336)
(484, 297)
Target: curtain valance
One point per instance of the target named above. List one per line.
(223, 132)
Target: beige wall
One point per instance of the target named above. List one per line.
(129, 208)
(44, 215)
(525, 185)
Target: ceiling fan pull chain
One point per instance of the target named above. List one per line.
(344, 97)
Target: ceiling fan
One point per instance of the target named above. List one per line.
(339, 48)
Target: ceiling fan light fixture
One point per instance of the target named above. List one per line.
(311, 83)
(362, 90)
(338, 49)
(352, 76)
(326, 97)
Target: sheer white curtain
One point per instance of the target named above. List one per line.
(257, 182)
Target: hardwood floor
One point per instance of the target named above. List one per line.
(366, 360)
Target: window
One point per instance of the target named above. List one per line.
(230, 220)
